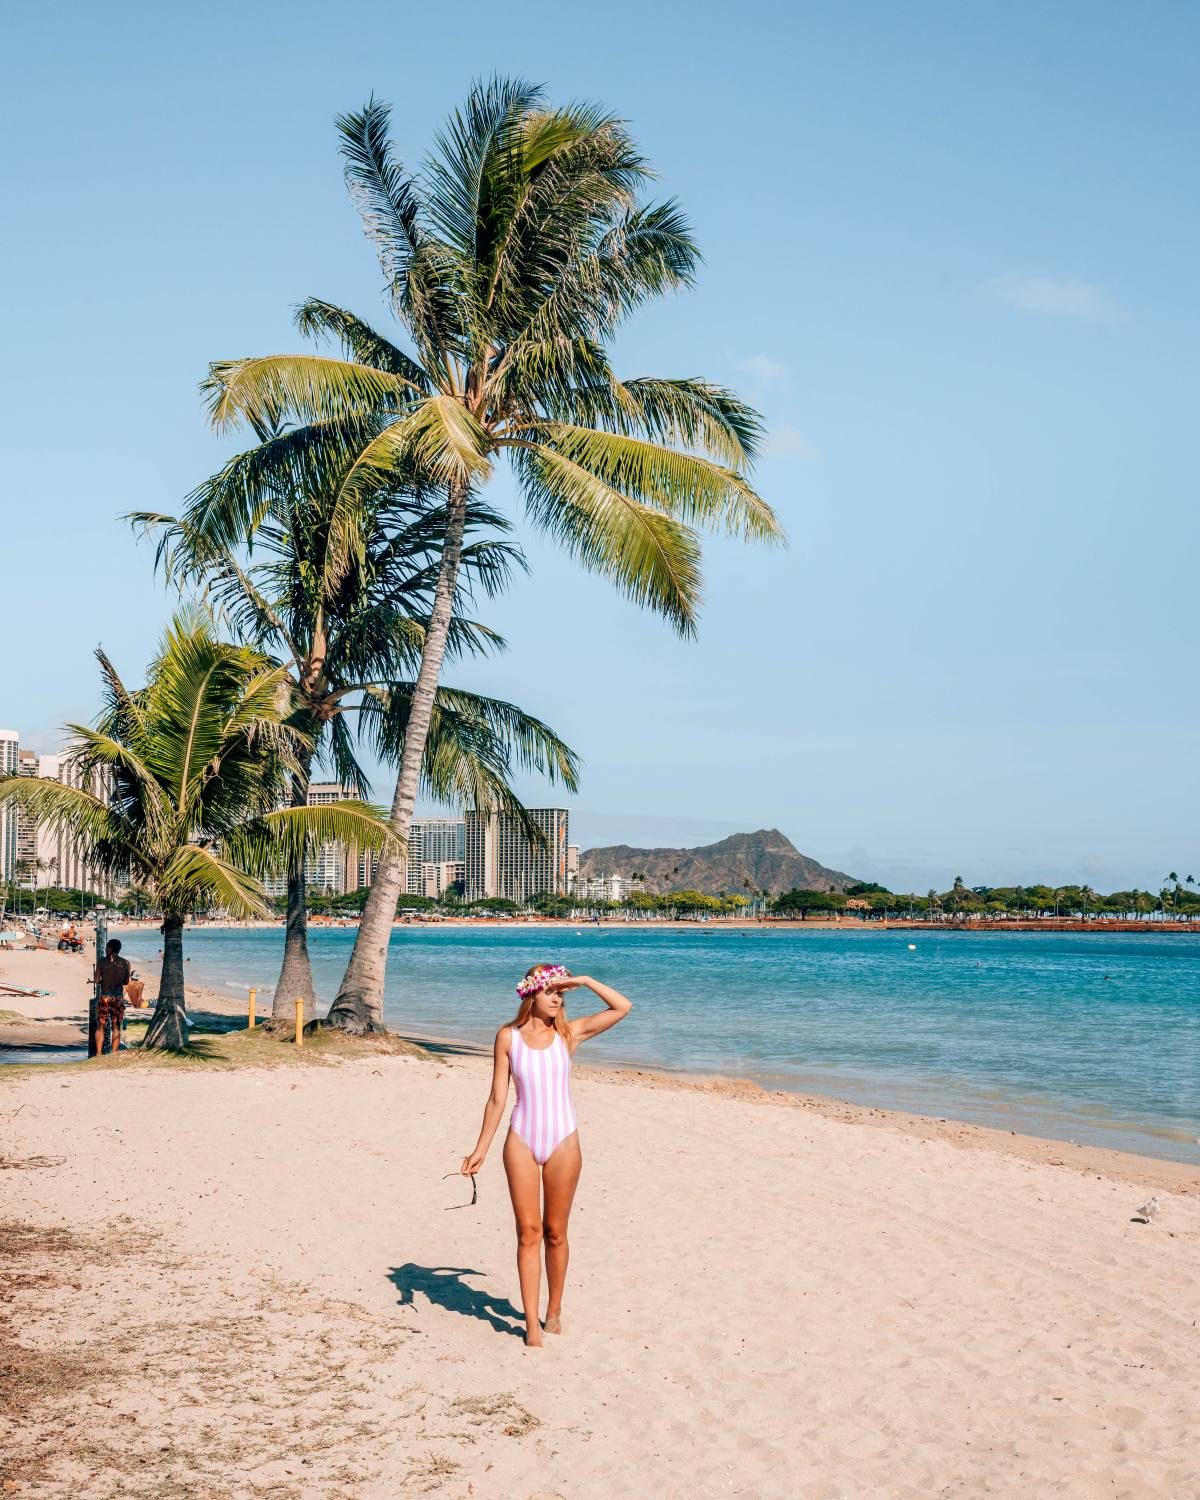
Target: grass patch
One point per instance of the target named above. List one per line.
(264, 1047)
(12, 1018)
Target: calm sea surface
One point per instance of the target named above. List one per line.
(1091, 1038)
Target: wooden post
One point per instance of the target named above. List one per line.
(253, 1003)
(299, 1023)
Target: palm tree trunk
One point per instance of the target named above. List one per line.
(295, 977)
(169, 1024)
(359, 1004)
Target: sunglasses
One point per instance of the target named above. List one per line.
(474, 1192)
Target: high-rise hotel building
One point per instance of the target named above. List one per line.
(502, 859)
(433, 845)
(38, 856)
(10, 751)
(433, 842)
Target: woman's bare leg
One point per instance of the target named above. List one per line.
(560, 1176)
(525, 1189)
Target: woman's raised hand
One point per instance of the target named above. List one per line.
(566, 982)
(472, 1164)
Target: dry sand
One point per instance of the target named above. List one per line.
(234, 1282)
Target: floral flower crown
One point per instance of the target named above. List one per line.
(534, 983)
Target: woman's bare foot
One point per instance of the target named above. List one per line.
(533, 1338)
(553, 1323)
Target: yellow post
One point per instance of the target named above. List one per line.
(253, 1003)
(299, 1023)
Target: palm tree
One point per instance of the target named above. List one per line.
(195, 765)
(510, 262)
(350, 641)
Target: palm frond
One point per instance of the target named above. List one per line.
(645, 253)
(477, 165)
(696, 413)
(296, 466)
(197, 876)
(71, 810)
(121, 709)
(306, 387)
(389, 204)
(315, 319)
(347, 769)
(101, 755)
(282, 838)
(438, 438)
(528, 742)
(651, 557)
(686, 486)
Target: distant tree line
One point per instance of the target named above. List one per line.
(1176, 899)
(65, 901)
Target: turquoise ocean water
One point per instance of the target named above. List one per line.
(1094, 1038)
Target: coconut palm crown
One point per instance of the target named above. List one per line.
(180, 785)
(510, 260)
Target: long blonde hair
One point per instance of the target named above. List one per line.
(525, 1010)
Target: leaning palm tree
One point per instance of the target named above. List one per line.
(351, 640)
(510, 261)
(180, 789)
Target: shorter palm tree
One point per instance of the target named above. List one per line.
(182, 788)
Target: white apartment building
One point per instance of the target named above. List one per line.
(67, 865)
(41, 856)
(10, 750)
(600, 888)
(502, 860)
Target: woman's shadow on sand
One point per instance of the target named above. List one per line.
(445, 1287)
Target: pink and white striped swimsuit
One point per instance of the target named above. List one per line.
(542, 1116)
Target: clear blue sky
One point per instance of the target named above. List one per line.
(950, 250)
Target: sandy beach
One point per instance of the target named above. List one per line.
(227, 1281)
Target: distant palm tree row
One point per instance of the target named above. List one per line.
(345, 546)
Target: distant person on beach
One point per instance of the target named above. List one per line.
(112, 974)
(542, 1159)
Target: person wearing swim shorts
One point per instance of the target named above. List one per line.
(112, 974)
(542, 1159)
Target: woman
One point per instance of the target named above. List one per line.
(541, 1151)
